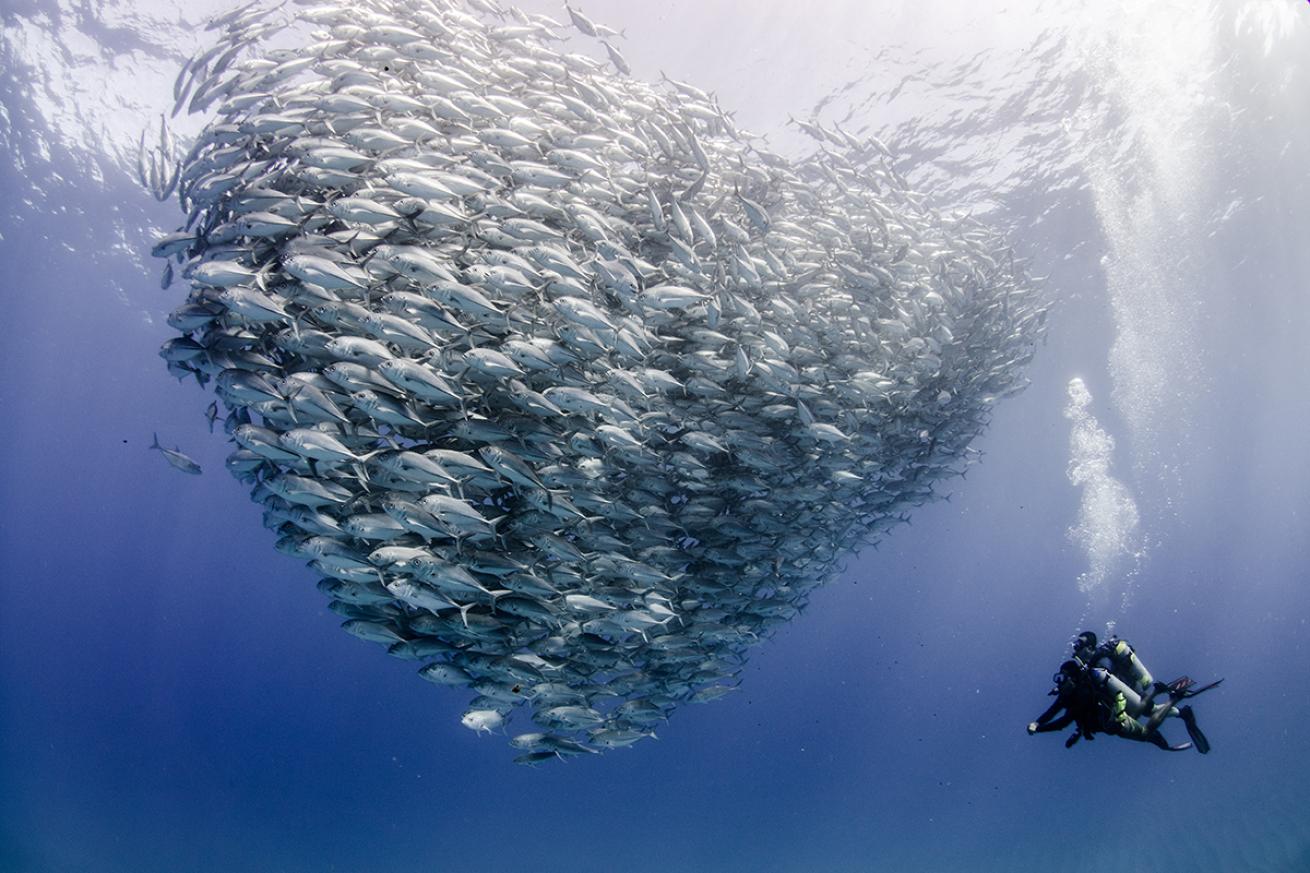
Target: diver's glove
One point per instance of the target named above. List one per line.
(1032, 728)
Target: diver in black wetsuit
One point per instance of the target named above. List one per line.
(1129, 692)
(1099, 701)
(1075, 694)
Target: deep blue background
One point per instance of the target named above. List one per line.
(175, 697)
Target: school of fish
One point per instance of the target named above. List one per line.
(570, 390)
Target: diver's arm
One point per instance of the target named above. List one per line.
(1040, 727)
(1040, 724)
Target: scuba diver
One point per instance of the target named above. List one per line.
(1128, 684)
(1075, 694)
(1106, 688)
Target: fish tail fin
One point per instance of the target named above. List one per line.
(154, 444)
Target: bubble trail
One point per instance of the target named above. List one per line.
(1107, 530)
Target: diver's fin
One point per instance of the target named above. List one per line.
(1181, 747)
(1198, 738)
(1178, 687)
(1160, 714)
(1192, 692)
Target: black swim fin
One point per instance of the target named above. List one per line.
(1198, 738)
(1192, 692)
(1182, 688)
(1177, 689)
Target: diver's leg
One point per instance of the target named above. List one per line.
(1158, 739)
(1131, 729)
(1161, 711)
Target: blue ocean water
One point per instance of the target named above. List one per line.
(175, 696)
